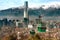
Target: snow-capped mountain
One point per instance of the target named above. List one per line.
(46, 10)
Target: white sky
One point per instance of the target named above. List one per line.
(4, 4)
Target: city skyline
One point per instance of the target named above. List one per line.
(5, 4)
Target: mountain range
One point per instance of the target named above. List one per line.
(42, 10)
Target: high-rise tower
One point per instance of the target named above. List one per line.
(26, 10)
(26, 17)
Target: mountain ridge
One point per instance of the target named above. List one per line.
(18, 11)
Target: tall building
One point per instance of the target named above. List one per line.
(26, 17)
(39, 20)
(1, 23)
(5, 21)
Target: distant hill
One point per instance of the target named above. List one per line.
(50, 11)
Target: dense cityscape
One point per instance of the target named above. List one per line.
(27, 29)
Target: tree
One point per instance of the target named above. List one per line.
(35, 37)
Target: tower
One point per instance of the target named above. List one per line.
(26, 17)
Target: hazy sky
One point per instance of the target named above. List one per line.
(4, 4)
